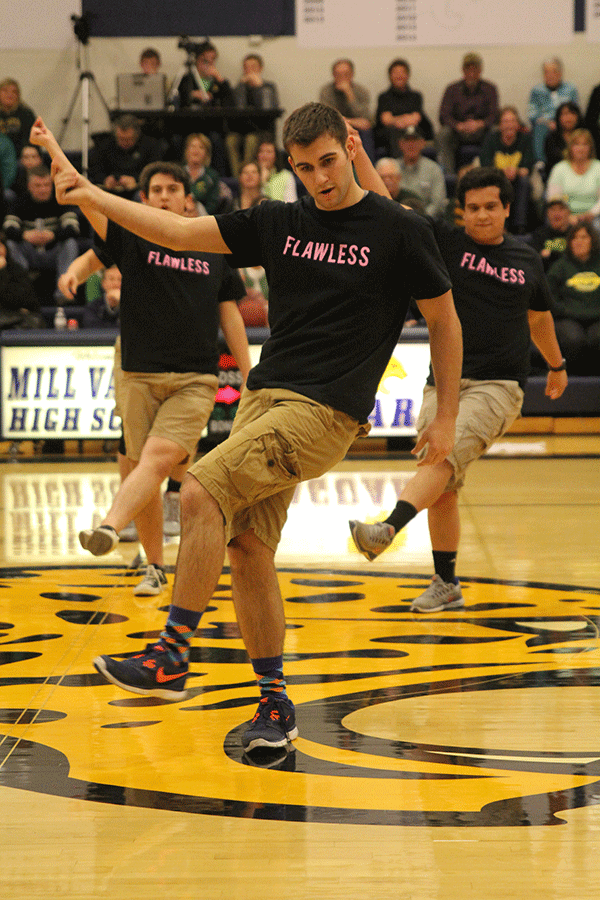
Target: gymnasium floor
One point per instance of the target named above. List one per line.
(450, 755)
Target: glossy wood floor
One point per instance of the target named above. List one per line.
(445, 756)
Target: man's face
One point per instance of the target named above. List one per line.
(509, 124)
(164, 192)
(40, 187)
(411, 149)
(472, 74)
(126, 138)
(342, 72)
(399, 77)
(149, 65)
(111, 280)
(30, 157)
(325, 170)
(558, 216)
(485, 216)
(552, 76)
(206, 61)
(251, 66)
(9, 96)
(390, 176)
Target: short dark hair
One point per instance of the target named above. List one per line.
(204, 47)
(594, 237)
(38, 172)
(128, 122)
(150, 53)
(310, 122)
(398, 62)
(163, 168)
(255, 56)
(482, 177)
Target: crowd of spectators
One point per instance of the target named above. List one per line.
(549, 155)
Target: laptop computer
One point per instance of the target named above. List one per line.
(138, 91)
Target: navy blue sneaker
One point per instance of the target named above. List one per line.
(273, 725)
(152, 673)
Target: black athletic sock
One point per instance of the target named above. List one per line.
(444, 563)
(173, 485)
(401, 515)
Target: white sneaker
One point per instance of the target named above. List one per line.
(439, 595)
(371, 539)
(99, 540)
(152, 583)
(171, 526)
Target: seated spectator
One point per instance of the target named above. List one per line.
(420, 175)
(252, 92)
(40, 233)
(277, 182)
(117, 161)
(509, 148)
(8, 163)
(468, 110)
(203, 179)
(19, 305)
(254, 307)
(574, 282)
(544, 100)
(16, 119)
(103, 311)
(30, 157)
(550, 239)
(150, 61)
(206, 87)
(250, 191)
(352, 100)
(577, 178)
(568, 118)
(388, 168)
(399, 107)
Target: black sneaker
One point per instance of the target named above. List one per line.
(152, 673)
(273, 725)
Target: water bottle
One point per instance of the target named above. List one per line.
(60, 320)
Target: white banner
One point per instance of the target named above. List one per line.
(388, 23)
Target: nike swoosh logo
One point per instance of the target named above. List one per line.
(162, 677)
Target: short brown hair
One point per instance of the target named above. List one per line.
(312, 121)
(163, 168)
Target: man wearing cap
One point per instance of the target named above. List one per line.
(468, 110)
(420, 174)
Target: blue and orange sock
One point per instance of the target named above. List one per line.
(178, 632)
(269, 674)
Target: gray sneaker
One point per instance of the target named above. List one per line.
(171, 526)
(99, 540)
(152, 583)
(439, 595)
(371, 539)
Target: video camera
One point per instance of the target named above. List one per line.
(191, 47)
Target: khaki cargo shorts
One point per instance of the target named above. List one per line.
(171, 405)
(278, 439)
(486, 409)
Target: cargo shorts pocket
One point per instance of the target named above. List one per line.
(264, 466)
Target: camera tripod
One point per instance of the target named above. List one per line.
(188, 68)
(86, 80)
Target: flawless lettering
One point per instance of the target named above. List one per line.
(183, 263)
(504, 273)
(338, 254)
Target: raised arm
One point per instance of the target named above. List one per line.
(368, 177)
(157, 225)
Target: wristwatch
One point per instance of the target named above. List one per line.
(560, 368)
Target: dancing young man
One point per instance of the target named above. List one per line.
(343, 264)
(503, 301)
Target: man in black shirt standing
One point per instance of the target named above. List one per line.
(502, 300)
(343, 264)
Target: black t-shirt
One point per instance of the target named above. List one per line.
(493, 286)
(339, 286)
(169, 304)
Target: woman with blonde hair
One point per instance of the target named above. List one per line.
(577, 178)
(204, 180)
